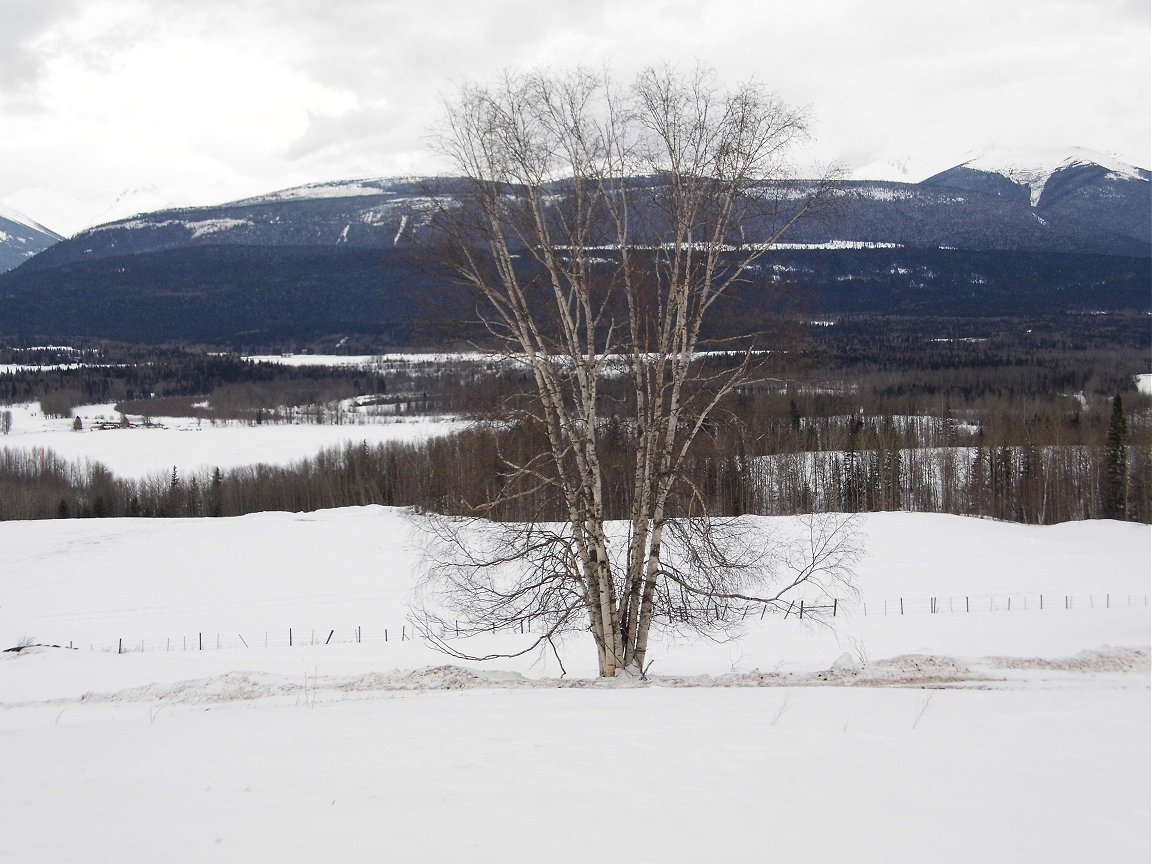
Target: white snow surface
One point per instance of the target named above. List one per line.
(20, 219)
(94, 582)
(197, 227)
(369, 361)
(1144, 382)
(331, 189)
(1035, 748)
(840, 244)
(192, 445)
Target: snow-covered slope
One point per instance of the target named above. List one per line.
(1029, 168)
(331, 189)
(145, 198)
(21, 238)
(949, 736)
(1086, 186)
(1034, 170)
(94, 582)
(356, 213)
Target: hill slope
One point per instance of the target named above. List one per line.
(342, 258)
(21, 239)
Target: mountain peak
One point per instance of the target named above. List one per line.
(1026, 167)
(1033, 169)
(1110, 161)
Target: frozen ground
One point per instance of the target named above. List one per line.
(190, 445)
(988, 735)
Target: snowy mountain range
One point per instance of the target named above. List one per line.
(275, 254)
(1086, 202)
(1084, 185)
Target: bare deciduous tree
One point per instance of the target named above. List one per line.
(600, 228)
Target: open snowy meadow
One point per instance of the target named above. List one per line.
(190, 444)
(252, 689)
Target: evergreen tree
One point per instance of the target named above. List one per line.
(893, 479)
(217, 507)
(1115, 497)
(853, 480)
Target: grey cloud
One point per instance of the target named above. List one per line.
(346, 132)
(20, 63)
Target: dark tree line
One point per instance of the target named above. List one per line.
(1007, 424)
(803, 464)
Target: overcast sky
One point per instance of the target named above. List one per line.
(205, 101)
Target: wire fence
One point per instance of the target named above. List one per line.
(293, 637)
(284, 637)
(970, 603)
(289, 637)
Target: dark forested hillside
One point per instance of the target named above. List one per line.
(258, 296)
(226, 295)
(351, 259)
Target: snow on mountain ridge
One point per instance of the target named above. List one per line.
(136, 201)
(1034, 170)
(331, 189)
(1031, 168)
(20, 219)
(199, 227)
(1115, 165)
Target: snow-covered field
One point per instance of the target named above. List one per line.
(366, 361)
(190, 445)
(988, 734)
